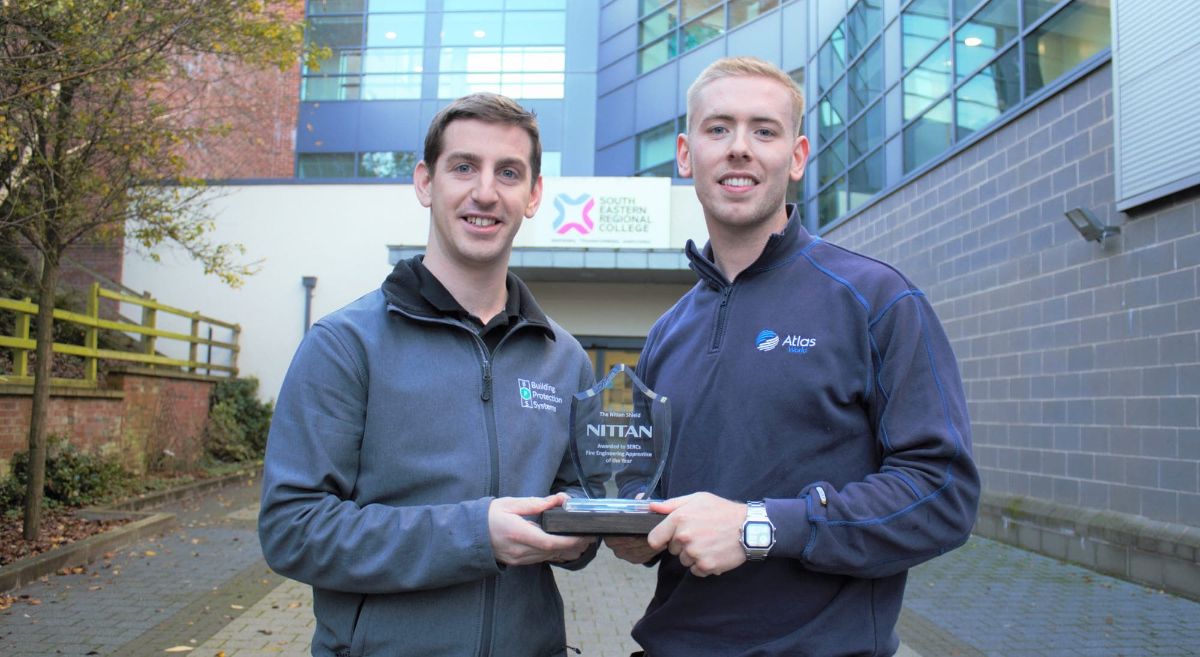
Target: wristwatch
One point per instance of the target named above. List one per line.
(758, 532)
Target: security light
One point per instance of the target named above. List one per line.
(1089, 226)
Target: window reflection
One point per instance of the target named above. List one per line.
(866, 79)
(831, 162)
(866, 179)
(391, 87)
(387, 164)
(831, 113)
(984, 35)
(832, 202)
(656, 145)
(928, 82)
(703, 29)
(927, 137)
(472, 29)
(335, 6)
(863, 23)
(866, 133)
(395, 29)
(325, 165)
(744, 11)
(988, 94)
(831, 59)
(923, 25)
(1060, 44)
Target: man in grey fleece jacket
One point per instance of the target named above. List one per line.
(405, 455)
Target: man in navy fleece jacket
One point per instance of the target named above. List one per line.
(822, 446)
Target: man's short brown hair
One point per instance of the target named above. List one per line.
(489, 108)
(747, 67)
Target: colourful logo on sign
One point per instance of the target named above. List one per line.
(578, 209)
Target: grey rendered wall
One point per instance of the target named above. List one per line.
(1080, 360)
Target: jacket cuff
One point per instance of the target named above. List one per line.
(477, 511)
(793, 519)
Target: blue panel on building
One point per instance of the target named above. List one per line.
(795, 41)
(616, 16)
(624, 43)
(616, 75)
(328, 127)
(759, 38)
(389, 126)
(616, 160)
(614, 121)
(655, 97)
(690, 66)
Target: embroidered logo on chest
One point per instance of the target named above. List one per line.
(768, 340)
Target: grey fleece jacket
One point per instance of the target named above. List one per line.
(394, 430)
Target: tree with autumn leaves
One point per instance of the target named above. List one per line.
(99, 103)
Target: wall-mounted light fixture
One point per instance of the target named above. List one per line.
(309, 283)
(1089, 226)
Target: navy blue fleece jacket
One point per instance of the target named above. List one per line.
(821, 381)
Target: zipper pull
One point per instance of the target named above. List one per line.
(821, 496)
(487, 382)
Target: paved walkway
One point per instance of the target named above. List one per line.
(203, 590)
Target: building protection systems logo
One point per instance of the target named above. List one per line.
(580, 209)
(538, 396)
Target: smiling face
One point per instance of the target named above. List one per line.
(478, 192)
(742, 150)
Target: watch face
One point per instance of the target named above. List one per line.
(758, 535)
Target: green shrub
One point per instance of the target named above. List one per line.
(73, 478)
(237, 421)
(225, 439)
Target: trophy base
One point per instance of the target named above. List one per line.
(599, 523)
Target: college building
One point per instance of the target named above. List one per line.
(1031, 165)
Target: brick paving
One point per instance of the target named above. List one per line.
(204, 586)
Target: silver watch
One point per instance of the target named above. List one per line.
(758, 532)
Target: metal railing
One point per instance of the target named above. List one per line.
(23, 344)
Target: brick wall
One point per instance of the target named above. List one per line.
(1080, 360)
(147, 421)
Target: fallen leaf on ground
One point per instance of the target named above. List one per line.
(150, 553)
(236, 607)
(179, 649)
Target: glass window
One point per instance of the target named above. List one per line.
(1060, 44)
(865, 80)
(832, 202)
(472, 5)
(535, 28)
(391, 87)
(927, 137)
(464, 59)
(922, 25)
(866, 179)
(331, 87)
(398, 5)
(551, 163)
(656, 54)
(392, 60)
(532, 85)
(693, 8)
(395, 30)
(866, 133)
(536, 4)
(664, 170)
(453, 85)
(334, 6)
(660, 24)
(744, 11)
(831, 162)
(831, 59)
(1035, 9)
(325, 165)
(963, 7)
(863, 23)
(984, 35)
(831, 113)
(988, 94)
(928, 82)
(472, 29)
(647, 6)
(703, 29)
(656, 145)
(335, 32)
(387, 164)
(339, 62)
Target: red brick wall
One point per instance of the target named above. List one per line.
(148, 417)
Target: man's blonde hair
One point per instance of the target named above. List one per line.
(728, 67)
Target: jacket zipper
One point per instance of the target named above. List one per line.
(489, 413)
(722, 317)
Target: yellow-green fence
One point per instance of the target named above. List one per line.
(23, 344)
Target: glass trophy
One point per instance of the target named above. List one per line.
(620, 433)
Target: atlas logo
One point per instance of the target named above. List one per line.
(767, 340)
(580, 209)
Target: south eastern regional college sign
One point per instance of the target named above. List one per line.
(601, 213)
